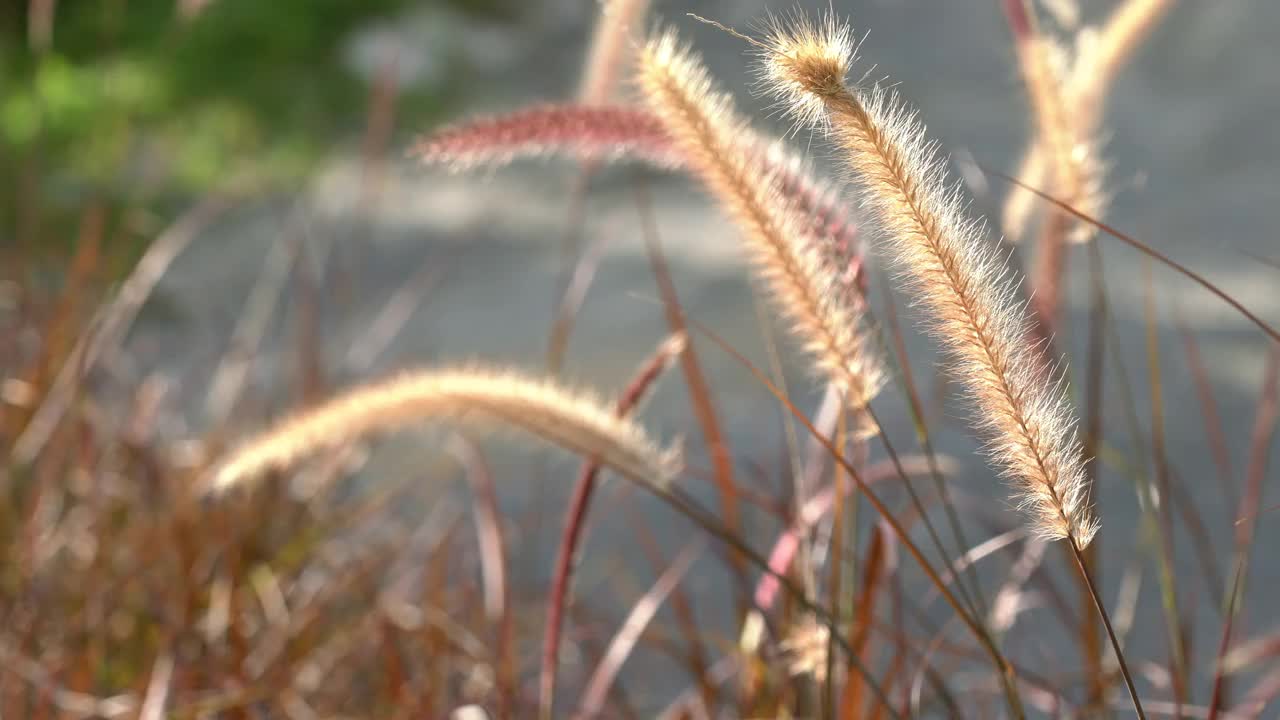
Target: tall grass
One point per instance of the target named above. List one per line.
(327, 577)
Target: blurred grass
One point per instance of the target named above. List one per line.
(138, 105)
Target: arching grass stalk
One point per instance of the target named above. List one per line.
(969, 299)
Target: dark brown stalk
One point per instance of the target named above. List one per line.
(1106, 622)
(1051, 262)
(1209, 411)
(1095, 377)
(1221, 686)
(1160, 459)
(875, 570)
(575, 516)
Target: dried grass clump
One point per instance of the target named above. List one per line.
(955, 274)
(805, 285)
(480, 398)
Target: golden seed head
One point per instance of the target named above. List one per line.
(804, 62)
(959, 277)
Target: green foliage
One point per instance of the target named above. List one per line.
(132, 103)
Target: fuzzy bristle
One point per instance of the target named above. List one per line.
(806, 286)
(478, 398)
(957, 276)
(802, 62)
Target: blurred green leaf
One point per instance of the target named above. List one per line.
(131, 90)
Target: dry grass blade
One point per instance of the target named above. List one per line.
(575, 516)
(1160, 489)
(158, 688)
(1259, 456)
(113, 322)
(1209, 412)
(493, 561)
(637, 620)
(481, 398)
(252, 322)
(700, 397)
(878, 566)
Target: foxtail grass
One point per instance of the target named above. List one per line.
(1065, 135)
(473, 397)
(588, 133)
(1046, 68)
(1098, 56)
(956, 275)
(803, 284)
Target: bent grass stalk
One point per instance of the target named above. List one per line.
(955, 274)
(575, 517)
(480, 398)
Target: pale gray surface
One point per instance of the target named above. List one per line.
(1194, 149)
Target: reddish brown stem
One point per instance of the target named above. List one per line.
(1051, 264)
(575, 519)
(1259, 453)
